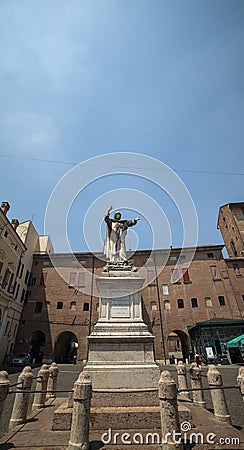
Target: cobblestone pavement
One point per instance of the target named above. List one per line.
(69, 373)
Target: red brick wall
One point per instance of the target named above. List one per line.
(53, 321)
(231, 225)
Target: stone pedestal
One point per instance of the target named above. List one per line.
(121, 352)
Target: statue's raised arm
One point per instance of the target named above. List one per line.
(114, 244)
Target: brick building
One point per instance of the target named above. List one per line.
(202, 307)
(18, 242)
(231, 225)
(11, 251)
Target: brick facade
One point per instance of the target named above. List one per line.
(231, 225)
(212, 288)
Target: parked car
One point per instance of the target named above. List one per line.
(20, 360)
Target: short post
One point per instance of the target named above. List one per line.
(4, 388)
(70, 399)
(79, 434)
(196, 383)
(218, 397)
(240, 381)
(52, 380)
(182, 380)
(21, 401)
(170, 424)
(41, 385)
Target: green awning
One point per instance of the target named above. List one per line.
(236, 341)
(216, 322)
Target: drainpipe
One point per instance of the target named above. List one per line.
(160, 311)
(91, 301)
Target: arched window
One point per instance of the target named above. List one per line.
(38, 307)
(165, 289)
(186, 276)
(72, 305)
(7, 328)
(15, 329)
(208, 302)
(237, 270)
(167, 305)
(233, 247)
(153, 306)
(60, 305)
(221, 300)
(151, 277)
(194, 302)
(81, 279)
(180, 303)
(7, 280)
(2, 257)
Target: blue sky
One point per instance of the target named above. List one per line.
(160, 78)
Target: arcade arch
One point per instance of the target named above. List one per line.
(37, 346)
(65, 347)
(178, 343)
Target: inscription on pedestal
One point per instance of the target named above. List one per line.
(120, 307)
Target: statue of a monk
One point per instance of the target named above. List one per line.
(114, 244)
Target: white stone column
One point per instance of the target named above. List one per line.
(52, 380)
(21, 401)
(79, 434)
(41, 385)
(196, 383)
(218, 397)
(240, 381)
(4, 388)
(182, 379)
(170, 424)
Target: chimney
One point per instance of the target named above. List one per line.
(14, 223)
(5, 206)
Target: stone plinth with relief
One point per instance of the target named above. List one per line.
(121, 352)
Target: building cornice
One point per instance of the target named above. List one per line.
(99, 255)
(7, 224)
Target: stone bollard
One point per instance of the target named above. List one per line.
(218, 397)
(52, 380)
(70, 399)
(79, 434)
(4, 388)
(41, 385)
(170, 424)
(182, 380)
(196, 383)
(240, 381)
(22, 398)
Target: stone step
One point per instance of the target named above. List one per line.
(125, 398)
(142, 417)
(114, 417)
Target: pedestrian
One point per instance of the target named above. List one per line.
(197, 360)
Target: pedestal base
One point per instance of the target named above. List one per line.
(124, 376)
(122, 361)
(121, 352)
